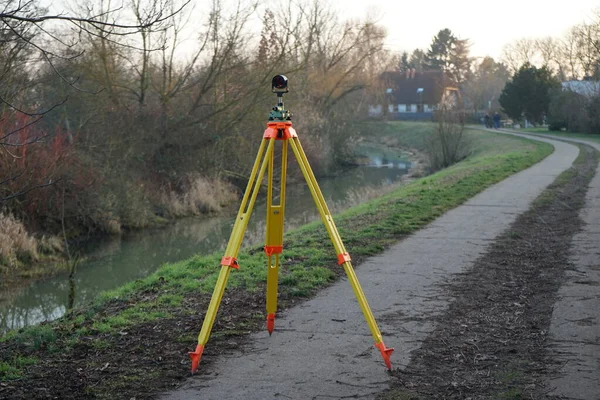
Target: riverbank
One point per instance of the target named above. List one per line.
(154, 321)
(113, 262)
(25, 257)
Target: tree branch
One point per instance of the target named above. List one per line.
(25, 191)
(98, 24)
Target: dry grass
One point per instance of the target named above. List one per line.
(203, 196)
(51, 245)
(16, 245)
(110, 223)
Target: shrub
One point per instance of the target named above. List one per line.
(568, 110)
(201, 195)
(594, 115)
(448, 144)
(16, 245)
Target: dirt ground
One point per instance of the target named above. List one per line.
(137, 363)
(491, 341)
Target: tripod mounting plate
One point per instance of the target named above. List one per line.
(279, 113)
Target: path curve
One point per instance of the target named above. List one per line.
(322, 349)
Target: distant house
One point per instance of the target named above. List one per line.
(414, 95)
(586, 87)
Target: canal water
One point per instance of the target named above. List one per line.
(111, 263)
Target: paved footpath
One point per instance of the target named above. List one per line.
(574, 335)
(322, 349)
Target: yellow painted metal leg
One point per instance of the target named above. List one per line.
(343, 257)
(274, 235)
(209, 318)
(272, 287)
(229, 260)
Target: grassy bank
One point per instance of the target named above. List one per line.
(135, 339)
(566, 135)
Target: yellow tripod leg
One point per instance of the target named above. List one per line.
(343, 256)
(274, 234)
(272, 286)
(229, 260)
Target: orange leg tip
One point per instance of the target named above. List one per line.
(386, 352)
(270, 323)
(195, 356)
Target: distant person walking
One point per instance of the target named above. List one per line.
(496, 120)
(487, 120)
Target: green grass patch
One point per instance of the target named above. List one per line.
(8, 372)
(100, 344)
(36, 337)
(511, 380)
(136, 314)
(414, 135)
(170, 299)
(13, 369)
(565, 135)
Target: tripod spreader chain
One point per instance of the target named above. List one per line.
(279, 128)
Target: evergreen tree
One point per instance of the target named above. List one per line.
(268, 46)
(449, 54)
(417, 60)
(459, 69)
(439, 53)
(404, 64)
(528, 93)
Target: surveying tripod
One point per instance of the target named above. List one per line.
(279, 128)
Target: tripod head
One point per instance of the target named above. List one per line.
(279, 86)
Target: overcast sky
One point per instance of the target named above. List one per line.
(489, 25)
(412, 24)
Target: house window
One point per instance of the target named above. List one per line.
(401, 108)
(409, 108)
(391, 108)
(375, 110)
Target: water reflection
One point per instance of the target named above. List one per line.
(114, 262)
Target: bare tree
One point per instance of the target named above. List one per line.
(484, 86)
(548, 49)
(568, 55)
(27, 42)
(588, 47)
(519, 52)
(448, 145)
